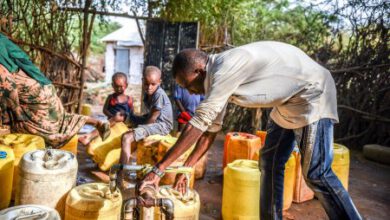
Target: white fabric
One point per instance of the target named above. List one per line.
(263, 75)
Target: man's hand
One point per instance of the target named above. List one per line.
(150, 179)
(181, 183)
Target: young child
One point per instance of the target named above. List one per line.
(186, 104)
(118, 101)
(158, 120)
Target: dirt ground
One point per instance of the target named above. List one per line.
(369, 185)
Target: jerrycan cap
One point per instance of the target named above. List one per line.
(3, 154)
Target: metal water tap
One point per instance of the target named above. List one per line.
(113, 174)
(146, 197)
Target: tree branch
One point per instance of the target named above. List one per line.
(352, 136)
(139, 29)
(47, 50)
(369, 115)
(125, 15)
(355, 68)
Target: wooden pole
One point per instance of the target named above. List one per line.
(83, 52)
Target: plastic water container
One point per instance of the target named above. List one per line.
(262, 135)
(114, 139)
(241, 190)
(46, 177)
(107, 153)
(21, 144)
(289, 180)
(71, 146)
(86, 109)
(93, 201)
(302, 192)
(240, 145)
(340, 164)
(185, 206)
(29, 212)
(6, 175)
(147, 149)
(163, 147)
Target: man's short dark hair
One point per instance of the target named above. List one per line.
(118, 75)
(186, 60)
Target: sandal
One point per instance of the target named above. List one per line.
(104, 130)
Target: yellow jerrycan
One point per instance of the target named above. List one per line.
(289, 180)
(93, 201)
(185, 206)
(7, 159)
(46, 177)
(340, 164)
(86, 109)
(163, 147)
(147, 149)
(241, 190)
(106, 153)
(29, 212)
(113, 140)
(71, 146)
(21, 144)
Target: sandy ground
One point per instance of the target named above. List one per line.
(369, 186)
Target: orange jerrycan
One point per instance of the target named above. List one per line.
(239, 145)
(340, 164)
(302, 192)
(7, 159)
(262, 135)
(241, 190)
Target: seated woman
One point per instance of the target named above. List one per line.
(30, 101)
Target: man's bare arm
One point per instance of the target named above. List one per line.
(189, 137)
(202, 146)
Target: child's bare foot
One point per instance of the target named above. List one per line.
(85, 139)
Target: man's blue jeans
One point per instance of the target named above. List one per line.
(315, 143)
